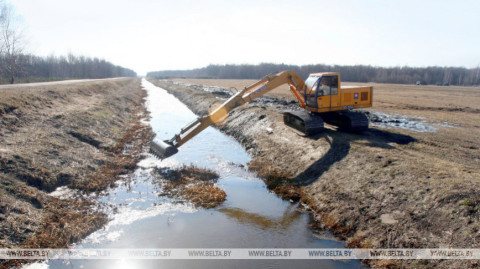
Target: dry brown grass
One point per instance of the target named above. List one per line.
(205, 194)
(82, 135)
(64, 226)
(128, 151)
(62, 222)
(276, 179)
(194, 184)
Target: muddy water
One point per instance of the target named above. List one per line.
(251, 217)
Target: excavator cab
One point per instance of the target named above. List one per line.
(321, 90)
(328, 102)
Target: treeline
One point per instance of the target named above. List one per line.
(357, 73)
(17, 65)
(35, 68)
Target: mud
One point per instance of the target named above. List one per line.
(223, 93)
(385, 188)
(80, 137)
(417, 124)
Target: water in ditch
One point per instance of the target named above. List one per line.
(251, 217)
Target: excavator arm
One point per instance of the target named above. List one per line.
(167, 148)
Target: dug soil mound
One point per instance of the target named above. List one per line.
(384, 188)
(80, 136)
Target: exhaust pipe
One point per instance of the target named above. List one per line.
(162, 149)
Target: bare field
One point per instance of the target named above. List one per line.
(387, 187)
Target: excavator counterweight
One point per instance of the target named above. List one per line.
(321, 96)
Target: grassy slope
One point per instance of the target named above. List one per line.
(64, 135)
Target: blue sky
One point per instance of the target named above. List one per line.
(149, 35)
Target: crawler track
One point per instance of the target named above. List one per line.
(348, 121)
(307, 123)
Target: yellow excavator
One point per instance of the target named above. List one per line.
(321, 95)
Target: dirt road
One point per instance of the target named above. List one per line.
(80, 135)
(53, 83)
(385, 188)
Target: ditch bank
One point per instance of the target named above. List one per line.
(77, 136)
(378, 189)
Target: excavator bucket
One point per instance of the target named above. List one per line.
(162, 149)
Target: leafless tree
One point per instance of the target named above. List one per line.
(12, 43)
(2, 19)
(15, 64)
(477, 73)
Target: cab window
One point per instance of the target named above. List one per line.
(328, 86)
(324, 88)
(334, 85)
(312, 83)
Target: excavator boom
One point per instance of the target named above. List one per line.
(321, 96)
(167, 148)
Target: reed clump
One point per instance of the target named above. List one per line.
(194, 184)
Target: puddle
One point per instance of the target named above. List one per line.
(251, 216)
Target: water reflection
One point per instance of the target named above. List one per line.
(263, 222)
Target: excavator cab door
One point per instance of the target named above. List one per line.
(327, 91)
